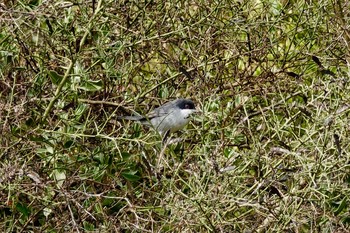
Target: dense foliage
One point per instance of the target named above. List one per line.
(270, 153)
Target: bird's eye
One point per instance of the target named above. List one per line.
(187, 106)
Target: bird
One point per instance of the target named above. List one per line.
(168, 118)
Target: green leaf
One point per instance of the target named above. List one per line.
(91, 85)
(341, 206)
(68, 144)
(88, 226)
(130, 175)
(80, 110)
(59, 176)
(23, 209)
(49, 149)
(125, 155)
(55, 78)
(47, 211)
(37, 138)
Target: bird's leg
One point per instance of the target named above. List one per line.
(165, 137)
(165, 143)
(167, 140)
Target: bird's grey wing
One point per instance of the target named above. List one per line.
(157, 112)
(161, 111)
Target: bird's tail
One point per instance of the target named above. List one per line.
(131, 118)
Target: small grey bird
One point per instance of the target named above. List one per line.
(167, 118)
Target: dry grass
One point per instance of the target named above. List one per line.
(269, 154)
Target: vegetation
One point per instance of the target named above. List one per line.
(270, 153)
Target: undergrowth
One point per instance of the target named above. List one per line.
(269, 153)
